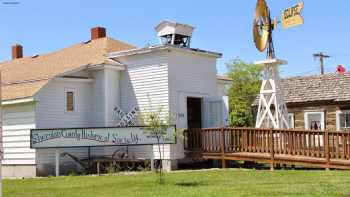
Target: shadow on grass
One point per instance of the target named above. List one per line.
(189, 184)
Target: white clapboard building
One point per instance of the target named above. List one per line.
(82, 85)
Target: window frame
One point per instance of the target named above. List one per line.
(306, 119)
(66, 90)
(338, 113)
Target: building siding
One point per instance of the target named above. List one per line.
(19, 158)
(112, 95)
(50, 109)
(329, 114)
(50, 113)
(144, 84)
(191, 75)
(98, 91)
(17, 122)
(145, 79)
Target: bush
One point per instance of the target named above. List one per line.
(112, 169)
(72, 172)
(147, 164)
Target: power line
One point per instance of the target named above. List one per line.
(321, 56)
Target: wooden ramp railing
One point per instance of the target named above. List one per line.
(325, 149)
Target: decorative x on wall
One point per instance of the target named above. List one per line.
(126, 119)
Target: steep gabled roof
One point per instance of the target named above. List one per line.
(24, 77)
(329, 87)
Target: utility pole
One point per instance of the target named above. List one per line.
(321, 56)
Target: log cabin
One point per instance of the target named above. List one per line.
(318, 102)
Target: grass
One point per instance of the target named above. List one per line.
(218, 183)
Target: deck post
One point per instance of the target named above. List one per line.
(326, 148)
(57, 162)
(272, 151)
(152, 165)
(222, 145)
(89, 159)
(98, 168)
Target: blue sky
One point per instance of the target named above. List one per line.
(224, 26)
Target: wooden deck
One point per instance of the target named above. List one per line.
(324, 149)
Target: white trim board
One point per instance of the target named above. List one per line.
(338, 112)
(75, 109)
(18, 101)
(306, 119)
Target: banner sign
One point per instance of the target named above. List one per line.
(291, 17)
(91, 137)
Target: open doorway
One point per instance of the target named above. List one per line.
(194, 112)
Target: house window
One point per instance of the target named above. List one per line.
(343, 120)
(291, 120)
(314, 120)
(70, 100)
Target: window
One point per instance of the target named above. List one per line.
(70, 100)
(291, 120)
(314, 120)
(343, 120)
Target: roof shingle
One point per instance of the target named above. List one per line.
(25, 76)
(328, 87)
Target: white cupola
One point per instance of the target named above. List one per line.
(174, 33)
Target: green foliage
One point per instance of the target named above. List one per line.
(158, 122)
(112, 169)
(147, 164)
(72, 172)
(140, 168)
(243, 91)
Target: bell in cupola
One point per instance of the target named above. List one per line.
(173, 33)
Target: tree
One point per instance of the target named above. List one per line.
(158, 123)
(243, 91)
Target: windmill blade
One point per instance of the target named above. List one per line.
(261, 25)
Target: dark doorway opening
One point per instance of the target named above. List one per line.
(194, 112)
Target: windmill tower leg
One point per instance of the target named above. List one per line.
(272, 111)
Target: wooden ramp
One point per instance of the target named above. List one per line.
(324, 149)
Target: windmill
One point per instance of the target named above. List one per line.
(272, 110)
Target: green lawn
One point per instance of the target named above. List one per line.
(216, 183)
